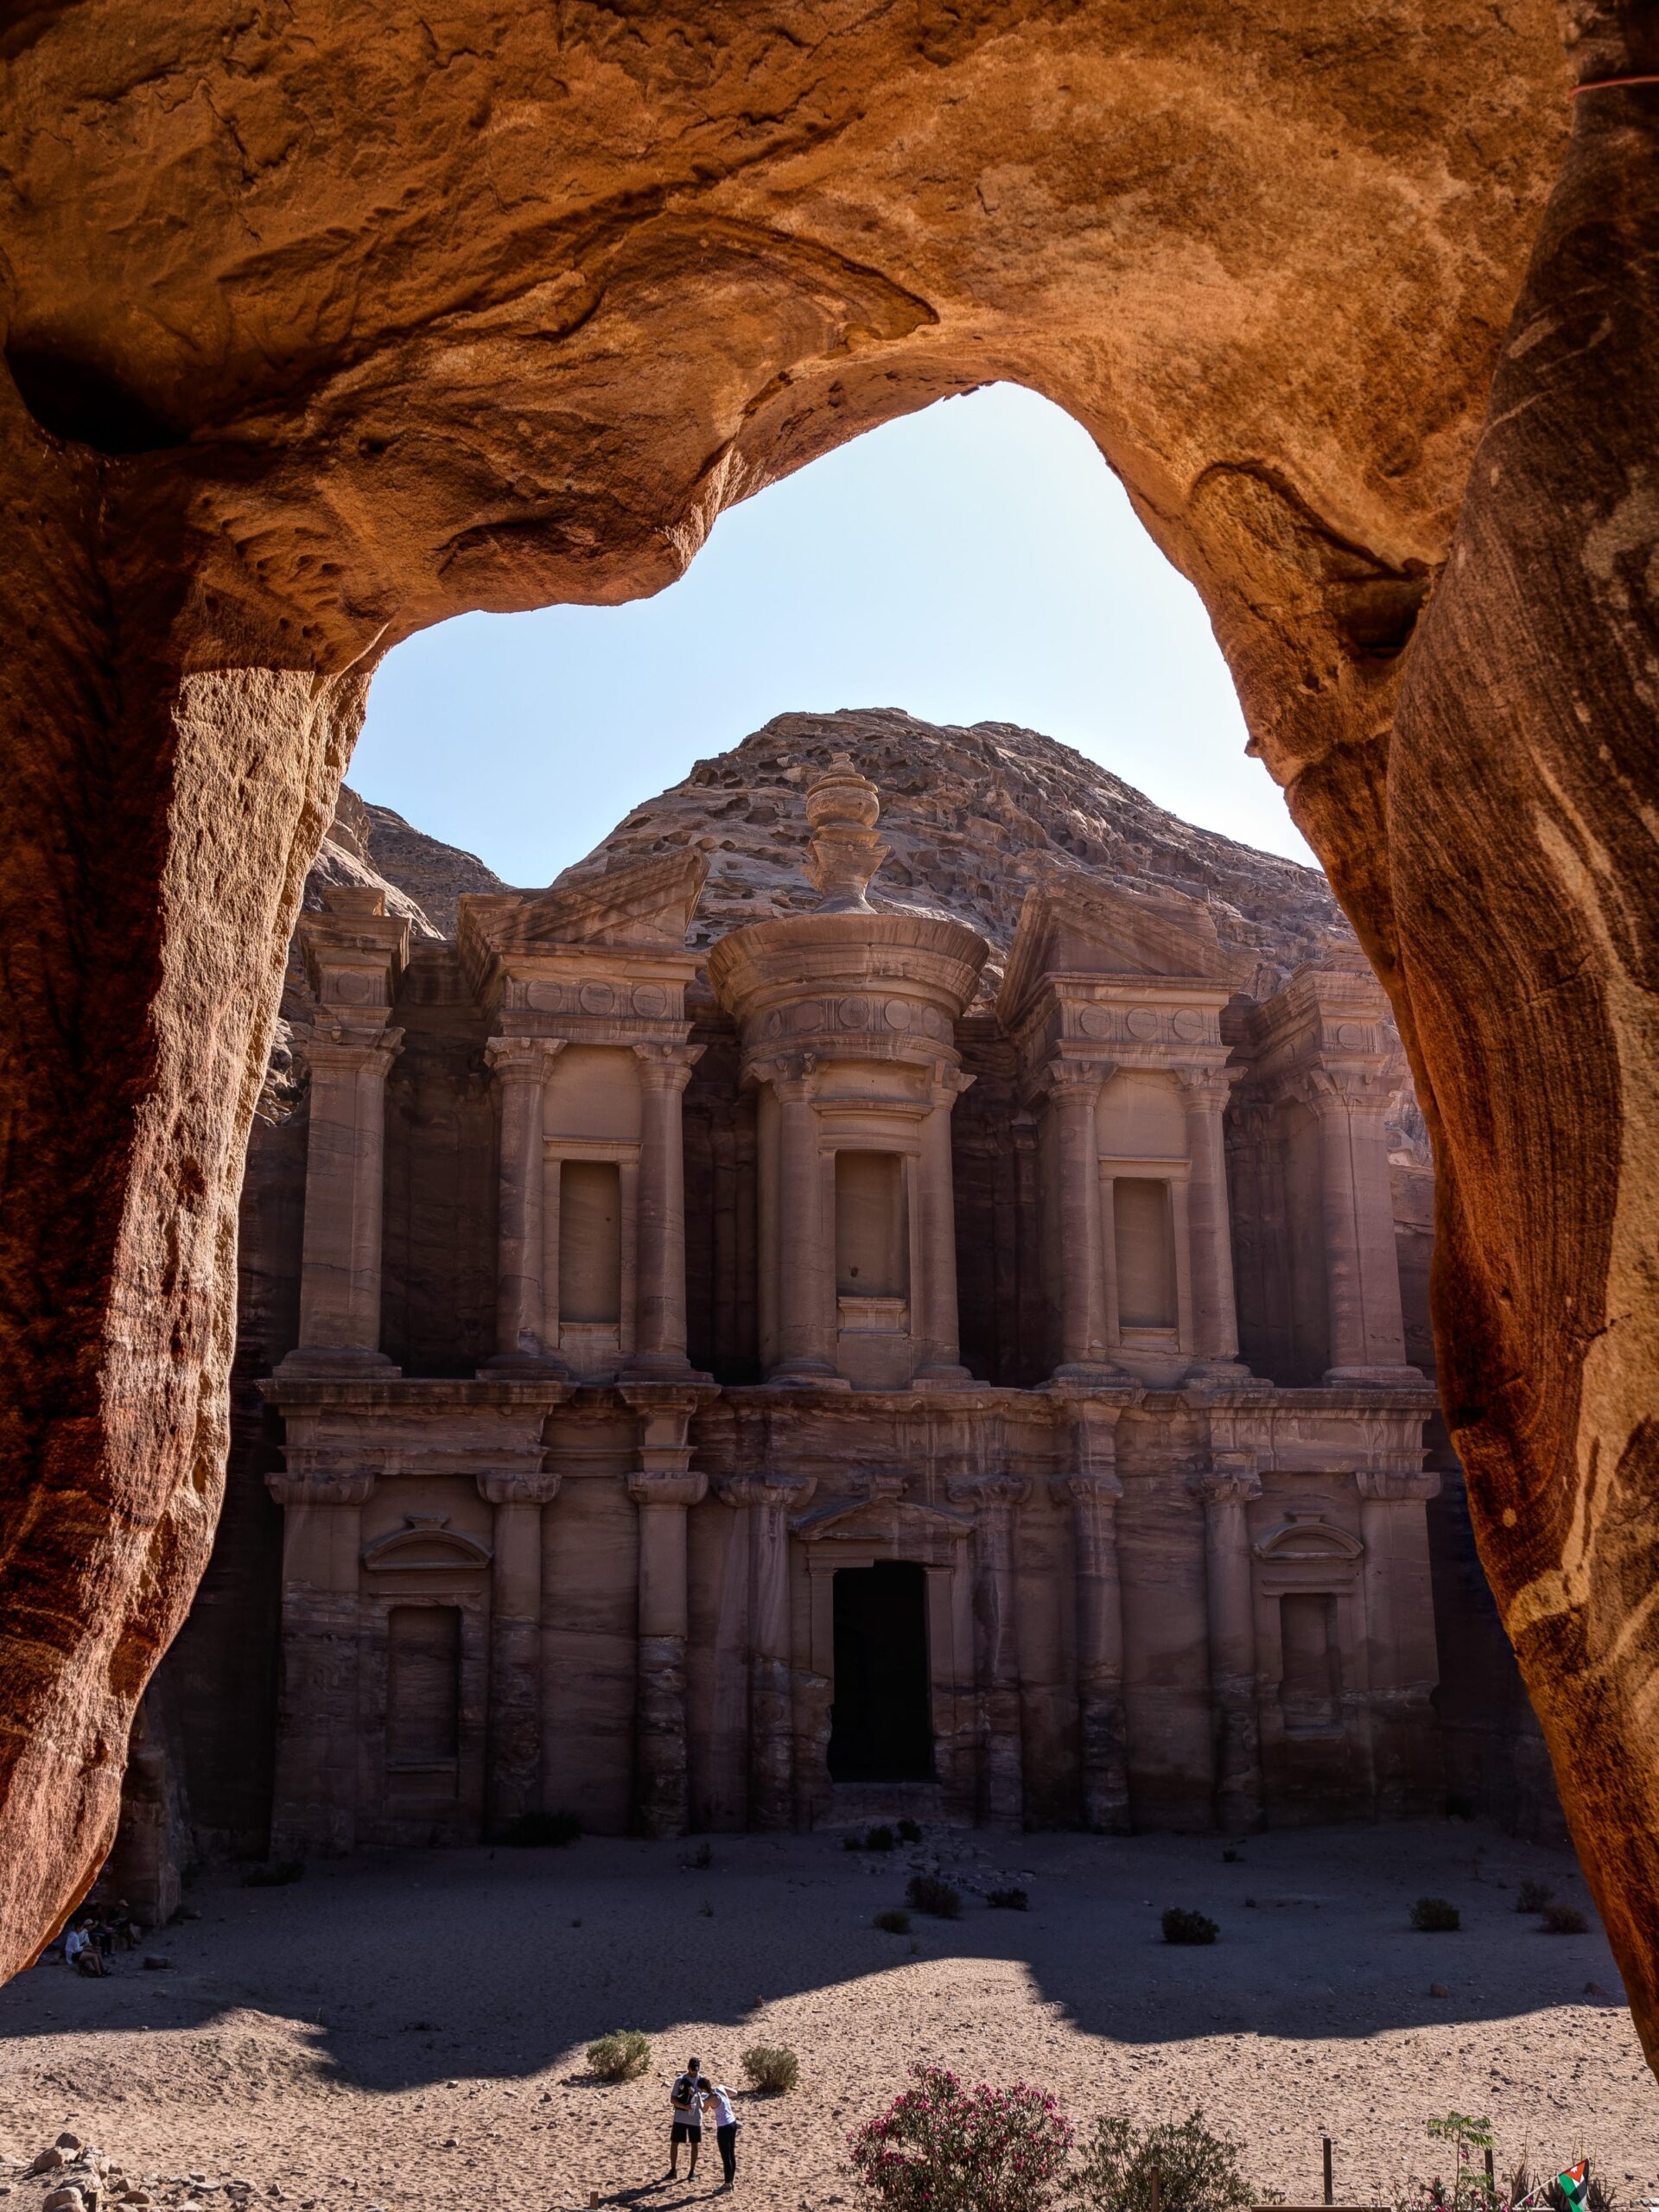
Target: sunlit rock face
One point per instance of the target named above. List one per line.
(326, 325)
(872, 972)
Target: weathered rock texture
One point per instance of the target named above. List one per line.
(325, 325)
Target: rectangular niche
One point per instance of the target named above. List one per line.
(590, 1241)
(1310, 1691)
(1144, 1239)
(423, 1697)
(872, 1233)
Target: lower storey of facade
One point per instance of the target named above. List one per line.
(665, 1607)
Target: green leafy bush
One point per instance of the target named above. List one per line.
(1565, 1920)
(534, 1831)
(1435, 1916)
(892, 1921)
(771, 2066)
(926, 1893)
(1181, 1926)
(944, 2148)
(1532, 1896)
(1198, 2169)
(623, 2056)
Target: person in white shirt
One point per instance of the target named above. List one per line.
(725, 2132)
(685, 2103)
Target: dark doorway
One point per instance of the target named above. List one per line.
(882, 1729)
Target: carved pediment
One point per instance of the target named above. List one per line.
(426, 1544)
(1306, 1535)
(1075, 924)
(879, 1513)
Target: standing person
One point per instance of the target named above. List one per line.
(726, 2125)
(685, 2107)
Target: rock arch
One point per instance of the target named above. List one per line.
(323, 325)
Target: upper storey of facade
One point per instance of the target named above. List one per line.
(819, 1157)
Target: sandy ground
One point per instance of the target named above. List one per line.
(408, 2030)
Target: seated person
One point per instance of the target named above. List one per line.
(79, 1950)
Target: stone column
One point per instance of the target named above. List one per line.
(513, 1757)
(996, 1652)
(1402, 1660)
(937, 1324)
(1365, 1327)
(1214, 1318)
(519, 1065)
(806, 1284)
(1093, 1492)
(1073, 1095)
(663, 1488)
(345, 1182)
(319, 1728)
(1227, 1487)
(659, 1323)
(766, 1501)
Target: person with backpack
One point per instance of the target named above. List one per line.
(686, 2115)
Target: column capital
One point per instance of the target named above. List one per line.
(1397, 1485)
(316, 1486)
(989, 1494)
(1063, 1077)
(947, 1080)
(1342, 1089)
(348, 1046)
(1086, 1486)
(667, 1487)
(1206, 1088)
(522, 1059)
(791, 1075)
(768, 1491)
(520, 1486)
(666, 1067)
(1229, 1480)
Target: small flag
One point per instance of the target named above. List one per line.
(1574, 2185)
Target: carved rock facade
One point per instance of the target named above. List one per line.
(889, 1392)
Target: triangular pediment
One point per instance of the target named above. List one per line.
(1077, 924)
(644, 906)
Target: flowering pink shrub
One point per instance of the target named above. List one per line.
(941, 2148)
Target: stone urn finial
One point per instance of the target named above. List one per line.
(844, 808)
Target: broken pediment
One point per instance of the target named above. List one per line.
(426, 1544)
(644, 906)
(1077, 926)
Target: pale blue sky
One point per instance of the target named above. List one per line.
(975, 563)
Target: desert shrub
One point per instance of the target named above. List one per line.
(881, 1839)
(1565, 1920)
(703, 1856)
(1532, 1896)
(623, 2056)
(275, 1876)
(944, 2148)
(1198, 2169)
(1181, 1926)
(853, 1842)
(892, 1921)
(771, 2066)
(1435, 1916)
(910, 1831)
(1008, 1900)
(534, 1831)
(926, 1893)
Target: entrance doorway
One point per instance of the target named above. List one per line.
(881, 1728)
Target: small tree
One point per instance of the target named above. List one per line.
(944, 2148)
(1468, 2190)
(1198, 2170)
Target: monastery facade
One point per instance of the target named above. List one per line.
(899, 1399)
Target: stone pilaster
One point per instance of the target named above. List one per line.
(659, 1325)
(1365, 1326)
(314, 1811)
(1215, 1317)
(349, 1060)
(805, 1283)
(664, 1487)
(938, 1327)
(1073, 1094)
(1227, 1487)
(519, 1065)
(766, 1501)
(514, 1758)
(996, 1649)
(1093, 1491)
(1400, 1653)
